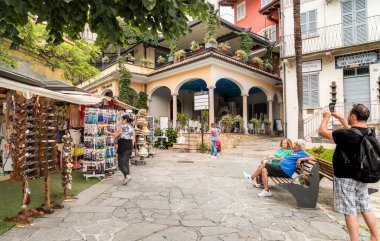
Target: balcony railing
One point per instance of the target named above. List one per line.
(335, 36)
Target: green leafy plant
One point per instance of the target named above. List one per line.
(224, 46)
(161, 60)
(126, 93)
(258, 61)
(267, 123)
(212, 25)
(173, 48)
(182, 118)
(194, 46)
(105, 60)
(321, 152)
(227, 121)
(242, 55)
(240, 120)
(203, 148)
(142, 102)
(178, 55)
(170, 133)
(256, 124)
(268, 66)
(246, 42)
(146, 63)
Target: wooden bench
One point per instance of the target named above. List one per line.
(312, 172)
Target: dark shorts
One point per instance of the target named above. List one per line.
(275, 170)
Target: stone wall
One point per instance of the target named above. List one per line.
(228, 140)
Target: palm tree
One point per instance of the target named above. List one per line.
(298, 52)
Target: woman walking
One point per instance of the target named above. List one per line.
(214, 136)
(126, 141)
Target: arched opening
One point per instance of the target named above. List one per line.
(257, 104)
(107, 92)
(186, 95)
(160, 103)
(227, 99)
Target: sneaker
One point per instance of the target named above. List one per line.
(213, 157)
(248, 178)
(127, 179)
(264, 193)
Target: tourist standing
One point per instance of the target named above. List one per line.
(126, 141)
(214, 136)
(350, 195)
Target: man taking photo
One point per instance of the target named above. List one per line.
(350, 196)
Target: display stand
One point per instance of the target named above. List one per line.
(67, 165)
(141, 132)
(100, 149)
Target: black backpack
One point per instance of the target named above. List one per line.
(367, 162)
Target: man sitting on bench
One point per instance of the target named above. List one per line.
(285, 168)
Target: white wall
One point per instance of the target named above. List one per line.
(160, 103)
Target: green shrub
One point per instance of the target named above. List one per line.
(170, 133)
(321, 152)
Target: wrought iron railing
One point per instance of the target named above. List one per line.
(334, 36)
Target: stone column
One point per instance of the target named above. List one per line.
(149, 103)
(245, 112)
(211, 111)
(270, 114)
(174, 110)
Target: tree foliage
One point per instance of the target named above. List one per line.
(68, 17)
(72, 57)
(126, 93)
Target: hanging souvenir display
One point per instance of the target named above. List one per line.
(100, 153)
(67, 165)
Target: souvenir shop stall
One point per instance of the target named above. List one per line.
(30, 140)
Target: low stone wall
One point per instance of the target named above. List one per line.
(228, 140)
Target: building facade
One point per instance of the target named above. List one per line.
(234, 87)
(340, 60)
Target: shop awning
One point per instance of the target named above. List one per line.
(72, 98)
(121, 104)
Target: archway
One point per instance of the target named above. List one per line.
(159, 105)
(257, 104)
(186, 95)
(107, 92)
(227, 99)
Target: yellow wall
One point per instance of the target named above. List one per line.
(172, 82)
(113, 85)
(32, 66)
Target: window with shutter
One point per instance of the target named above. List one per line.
(354, 22)
(309, 23)
(273, 34)
(310, 90)
(240, 11)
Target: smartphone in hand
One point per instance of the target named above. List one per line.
(332, 107)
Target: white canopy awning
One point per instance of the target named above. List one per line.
(72, 98)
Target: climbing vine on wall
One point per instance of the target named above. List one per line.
(126, 93)
(246, 42)
(142, 102)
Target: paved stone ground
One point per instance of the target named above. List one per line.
(205, 200)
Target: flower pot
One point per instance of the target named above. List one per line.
(211, 45)
(196, 49)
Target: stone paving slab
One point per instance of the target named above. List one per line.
(204, 200)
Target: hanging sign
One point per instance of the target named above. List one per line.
(201, 100)
(354, 60)
(312, 66)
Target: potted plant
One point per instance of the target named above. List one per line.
(211, 36)
(228, 121)
(256, 125)
(182, 119)
(225, 47)
(173, 48)
(240, 120)
(241, 55)
(195, 47)
(161, 60)
(130, 59)
(148, 63)
(143, 62)
(257, 62)
(268, 66)
(105, 60)
(178, 55)
(267, 125)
